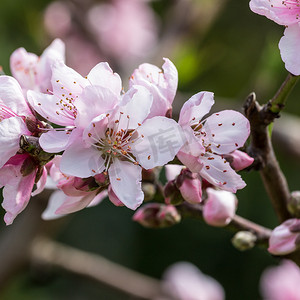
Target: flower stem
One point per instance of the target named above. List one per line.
(278, 101)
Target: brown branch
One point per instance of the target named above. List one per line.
(95, 267)
(262, 150)
(237, 224)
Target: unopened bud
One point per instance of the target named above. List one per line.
(172, 193)
(102, 180)
(239, 160)
(149, 191)
(85, 184)
(190, 186)
(285, 238)
(294, 204)
(244, 240)
(155, 215)
(219, 208)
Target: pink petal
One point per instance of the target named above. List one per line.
(281, 12)
(73, 204)
(12, 96)
(135, 104)
(226, 130)
(100, 99)
(16, 196)
(41, 183)
(219, 173)
(191, 190)
(49, 107)
(54, 141)
(113, 197)
(98, 198)
(190, 161)
(102, 75)
(289, 46)
(80, 161)
(10, 131)
(125, 179)
(195, 108)
(171, 76)
(159, 142)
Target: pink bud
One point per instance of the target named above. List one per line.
(219, 208)
(281, 282)
(190, 186)
(285, 237)
(239, 160)
(155, 215)
(113, 197)
(172, 194)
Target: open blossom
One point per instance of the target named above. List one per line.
(184, 281)
(285, 13)
(209, 139)
(34, 72)
(281, 282)
(161, 84)
(70, 92)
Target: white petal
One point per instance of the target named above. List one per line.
(160, 139)
(103, 75)
(11, 130)
(171, 75)
(289, 46)
(195, 108)
(80, 161)
(219, 173)
(48, 106)
(226, 130)
(12, 96)
(54, 141)
(55, 201)
(172, 171)
(125, 179)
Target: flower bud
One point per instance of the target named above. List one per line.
(294, 204)
(155, 215)
(190, 186)
(239, 160)
(285, 237)
(219, 208)
(149, 191)
(244, 240)
(172, 194)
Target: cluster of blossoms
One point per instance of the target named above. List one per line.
(89, 138)
(284, 12)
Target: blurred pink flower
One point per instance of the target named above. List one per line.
(184, 281)
(281, 282)
(219, 208)
(125, 29)
(285, 237)
(284, 13)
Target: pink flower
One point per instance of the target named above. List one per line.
(284, 13)
(18, 182)
(284, 238)
(184, 281)
(100, 89)
(162, 85)
(33, 72)
(116, 142)
(219, 208)
(209, 139)
(239, 160)
(281, 282)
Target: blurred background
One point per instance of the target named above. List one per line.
(216, 45)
